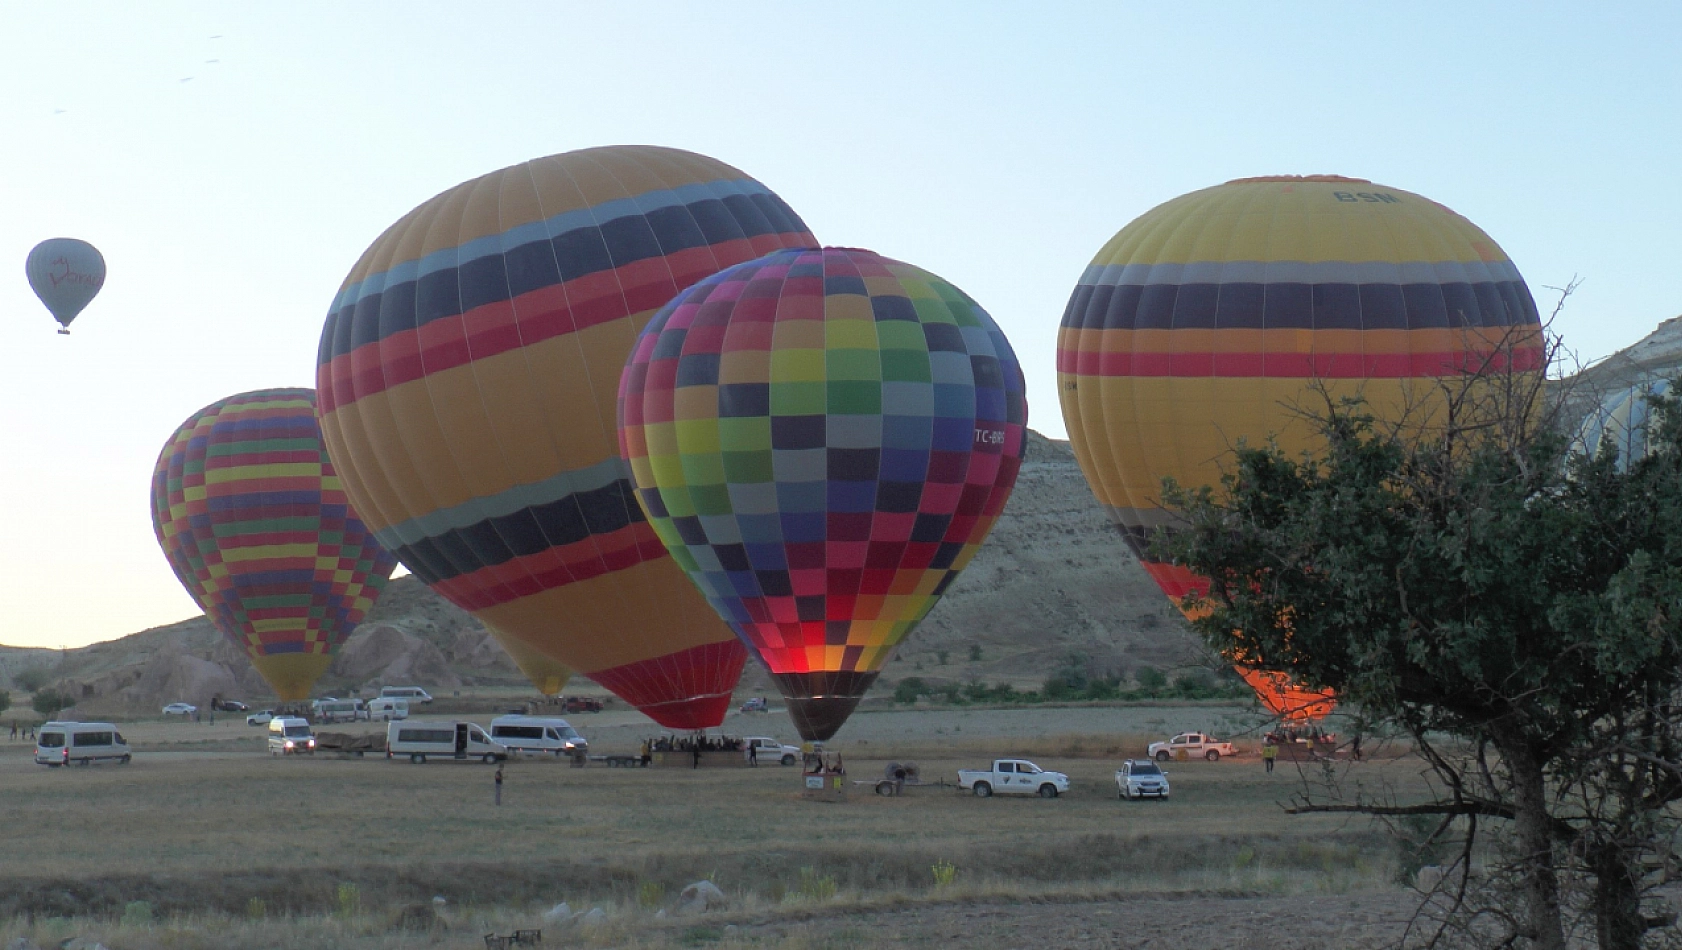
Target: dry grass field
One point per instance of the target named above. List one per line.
(230, 847)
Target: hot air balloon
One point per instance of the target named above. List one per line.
(1209, 319)
(1622, 416)
(468, 375)
(66, 274)
(251, 516)
(822, 439)
(548, 675)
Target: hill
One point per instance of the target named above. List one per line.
(1053, 585)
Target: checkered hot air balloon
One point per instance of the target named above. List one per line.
(468, 372)
(251, 516)
(822, 439)
(1209, 318)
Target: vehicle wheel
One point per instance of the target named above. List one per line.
(983, 790)
(487, 758)
(1212, 755)
(417, 758)
(1121, 795)
(1162, 756)
(1048, 790)
(85, 763)
(124, 760)
(885, 789)
(788, 760)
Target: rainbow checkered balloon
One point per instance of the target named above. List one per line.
(822, 439)
(251, 516)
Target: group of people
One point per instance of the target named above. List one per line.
(27, 732)
(702, 743)
(817, 762)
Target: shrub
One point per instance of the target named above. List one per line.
(945, 872)
(5, 700)
(815, 887)
(975, 652)
(651, 894)
(31, 680)
(908, 690)
(48, 702)
(1149, 677)
(137, 913)
(943, 656)
(256, 908)
(348, 901)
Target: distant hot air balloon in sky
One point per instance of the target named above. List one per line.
(251, 516)
(1209, 318)
(823, 438)
(66, 274)
(468, 374)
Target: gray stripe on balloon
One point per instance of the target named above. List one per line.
(476, 510)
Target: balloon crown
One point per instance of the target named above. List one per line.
(1332, 178)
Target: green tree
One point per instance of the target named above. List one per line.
(49, 702)
(32, 679)
(1516, 612)
(5, 700)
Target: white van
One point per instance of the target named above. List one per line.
(339, 710)
(84, 743)
(388, 709)
(538, 734)
(414, 694)
(289, 735)
(444, 740)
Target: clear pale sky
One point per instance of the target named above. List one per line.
(232, 161)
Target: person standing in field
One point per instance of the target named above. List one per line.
(753, 752)
(499, 785)
(1269, 753)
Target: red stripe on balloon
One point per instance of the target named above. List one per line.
(554, 567)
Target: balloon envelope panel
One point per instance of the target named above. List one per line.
(823, 438)
(1212, 319)
(469, 370)
(251, 516)
(66, 274)
(1622, 417)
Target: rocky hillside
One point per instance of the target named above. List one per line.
(1053, 585)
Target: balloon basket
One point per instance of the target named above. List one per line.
(63, 331)
(824, 786)
(710, 759)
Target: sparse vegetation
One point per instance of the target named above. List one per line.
(49, 702)
(975, 653)
(32, 679)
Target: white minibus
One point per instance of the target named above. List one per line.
(84, 743)
(538, 734)
(388, 709)
(414, 694)
(290, 735)
(339, 710)
(421, 740)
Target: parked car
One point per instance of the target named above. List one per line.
(1191, 745)
(414, 694)
(1013, 777)
(578, 704)
(259, 718)
(766, 749)
(532, 734)
(756, 704)
(180, 709)
(229, 705)
(1141, 778)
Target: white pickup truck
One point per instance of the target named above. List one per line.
(1191, 745)
(768, 750)
(1013, 777)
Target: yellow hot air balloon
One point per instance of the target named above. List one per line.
(1211, 318)
(469, 370)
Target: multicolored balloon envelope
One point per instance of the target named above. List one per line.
(250, 515)
(66, 274)
(468, 374)
(822, 439)
(1210, 319)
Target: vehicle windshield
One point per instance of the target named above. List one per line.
(567, 732)
(294, 732)
(1146, 768)
(51, 740)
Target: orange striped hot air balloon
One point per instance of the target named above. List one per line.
(469, 373)
(1211, 318)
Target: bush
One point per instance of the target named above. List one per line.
(48, 702)
(975, 653)
(137, 913)
(908, 690)
(1149, 677)
(5, 700)
(32, 679)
